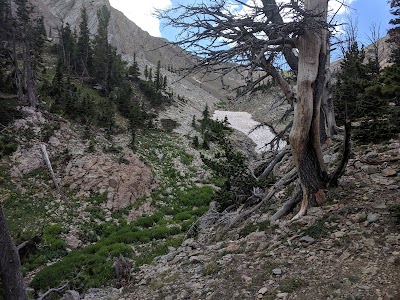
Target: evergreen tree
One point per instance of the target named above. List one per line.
(165, 82)
(352, 80)
(67, 49)
(394, 33)
(27, 35)
(101, 51)
(116, 68)
(134, 69)
(84, 51)
(6, 61)
(158, 78)
(146, 72)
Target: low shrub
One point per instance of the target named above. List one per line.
(82, 271)
(183, 216)
(199, 196)
(7, 146)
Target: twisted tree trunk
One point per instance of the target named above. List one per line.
(10, 265)
(305, 136)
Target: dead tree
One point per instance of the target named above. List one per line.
(258, 38)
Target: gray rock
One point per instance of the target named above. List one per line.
(307, 239)
(263, 290)
(255, 237)
(370, 169)
(358, 164)
(78, 163)
(371, 218)
(393, 187)
(277, 271)
(71, 295)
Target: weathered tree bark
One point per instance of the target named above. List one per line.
(304, 43)
(46, 159)
(30, 82)
(10, 266)
(18, 75)
(306, 131)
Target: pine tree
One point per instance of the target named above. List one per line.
(134, 69)
(116, 69)
(351, 83)
(146, 72)
(394, 33)
(158, 77)
(101, 49)
(67, 49)
(165, 82)
(84, 51)
(6, 62)
(28, 36)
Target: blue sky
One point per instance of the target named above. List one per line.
(365, 11)
(368, 12)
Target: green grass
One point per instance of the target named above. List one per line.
(50, 247)
(91, 266)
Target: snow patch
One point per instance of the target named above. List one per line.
(244, 122)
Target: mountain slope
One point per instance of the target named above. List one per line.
(129, 39)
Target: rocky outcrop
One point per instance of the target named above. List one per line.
(124, 182)
(123, 177)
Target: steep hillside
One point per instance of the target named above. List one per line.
(129, 39)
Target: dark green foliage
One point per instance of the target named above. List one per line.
(196, 142)
(101, 49)
(201, 196)
(194, 125)
(8, 145)
(84, 49)
(365, 94)
(183, 216)
(9, 112)
(71, 102)
(394, 32)
(227, 164)
(134, 69)
(149, 221)
(92, 266)
(351, 83)
(83, 271)
(231, 166)
(158, 80)
(50, 247)
(169, 125)
(67, 49)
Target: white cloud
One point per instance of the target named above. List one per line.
(339, 7)
(141, 13)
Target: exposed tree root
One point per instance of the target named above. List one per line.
(52, 291)
(289, 205)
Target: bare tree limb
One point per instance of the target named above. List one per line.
(53, 290)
